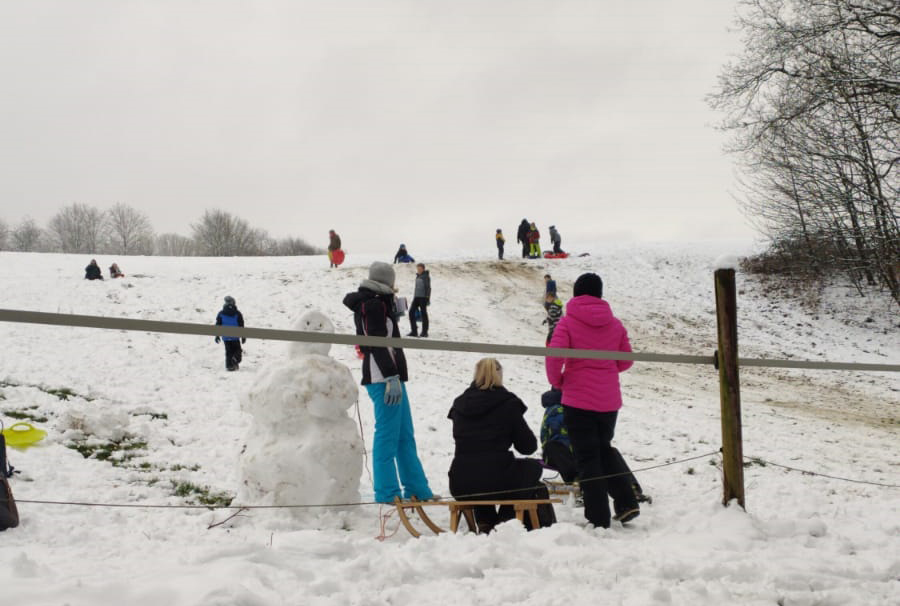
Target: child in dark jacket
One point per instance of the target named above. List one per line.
(231, 316)
(554, 307)
(556, 449)
(92, 271)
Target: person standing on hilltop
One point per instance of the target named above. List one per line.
(334, 243)
(522, 237)
(501, 240)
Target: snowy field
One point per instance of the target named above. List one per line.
(161, 421)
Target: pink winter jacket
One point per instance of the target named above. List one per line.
(589, 384)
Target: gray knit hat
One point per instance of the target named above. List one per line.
(382, 273)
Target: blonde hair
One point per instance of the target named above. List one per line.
(488, 374)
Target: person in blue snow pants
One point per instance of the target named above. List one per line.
(397, 470)
(394, 456)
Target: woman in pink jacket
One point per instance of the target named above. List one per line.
(592, 398)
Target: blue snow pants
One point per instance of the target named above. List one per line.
(394, 458)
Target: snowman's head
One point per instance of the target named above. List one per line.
(311, 321)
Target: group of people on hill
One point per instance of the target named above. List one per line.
(92, 271)
(529, 236)
(488, 419)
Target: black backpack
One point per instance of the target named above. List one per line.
(9, 515)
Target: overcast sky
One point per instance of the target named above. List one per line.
(418, 121)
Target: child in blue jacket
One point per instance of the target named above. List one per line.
(231, 316)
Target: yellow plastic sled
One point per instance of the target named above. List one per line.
(23, 435)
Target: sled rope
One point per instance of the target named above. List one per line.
(185, 328)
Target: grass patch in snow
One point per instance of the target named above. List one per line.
(203, 494)
(117, 453)
(24, 415)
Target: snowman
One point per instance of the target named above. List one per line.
(302, 448)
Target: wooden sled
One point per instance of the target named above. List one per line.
(465, 509)
(561, 488)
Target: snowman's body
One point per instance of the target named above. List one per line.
(302, 447)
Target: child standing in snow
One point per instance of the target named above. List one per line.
(396, 468)
(231, 316)
(500, 242)
(554, 307)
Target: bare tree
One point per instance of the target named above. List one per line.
(130, 231)
(4, 234)
(290, 247)
(174, 245)
(78, 228)
(812, 104)
(220, 234)
(26, 236)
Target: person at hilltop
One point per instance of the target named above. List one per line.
(92, 271)
(501, 240)
(522, 237)
(592, 397)
(396, 468)
(420, 302)
(231, 316)
(487, 420)
(534, 242)
(403, 256)
(334, 243)
(115, 272)
(556, 240)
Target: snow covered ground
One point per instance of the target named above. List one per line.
(165, 411)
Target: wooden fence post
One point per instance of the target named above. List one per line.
(729, 388)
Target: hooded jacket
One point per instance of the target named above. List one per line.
(490, 421)
(374, 315)
(589, 384)
(230, 316)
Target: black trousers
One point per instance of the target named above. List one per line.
(500, 250)
(560, 457)
(557, 247)
(233, 354)
(418, 303)
(526, 249)
(591, 433)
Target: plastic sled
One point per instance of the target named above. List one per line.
(337, 256)
(553, 255)
(23, 435)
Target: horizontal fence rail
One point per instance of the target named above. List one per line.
(186, 328)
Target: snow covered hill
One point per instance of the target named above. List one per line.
(158, 417)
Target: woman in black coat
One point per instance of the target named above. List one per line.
(487, 420)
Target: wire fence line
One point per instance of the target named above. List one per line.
(456, 498)
(186, 328)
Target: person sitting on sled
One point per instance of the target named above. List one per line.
(556, 449)
(403, 256)
(115, 272)
(92, 271)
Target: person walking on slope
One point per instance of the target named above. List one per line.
(231, 316)
(500, 242)
(554, 308)
(421, 299)
(534, 242)
(556, 240)
(487, 421)
(522, 236)
(396, 469)
(334, 243)
(591, 399)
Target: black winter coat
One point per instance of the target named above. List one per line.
(522, 234)
(374, 315)
(92, 272)
(486, 422)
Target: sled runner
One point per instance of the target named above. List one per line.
(553, 255)
(465, 509)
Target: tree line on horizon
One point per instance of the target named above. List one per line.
(125, 230)
(813, 106)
